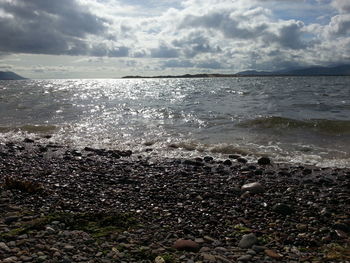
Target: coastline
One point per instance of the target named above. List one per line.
(96, 205)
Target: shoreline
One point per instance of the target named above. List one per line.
(96, 205)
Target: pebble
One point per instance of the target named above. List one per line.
(4, 247)
(208, 257)
(254, 188)
(187, 245)
(272, 254)
(159, 259)
(245, 258)
(282, 209)
(264, 161)
(247, 241)
(10, 219)
(10, 260)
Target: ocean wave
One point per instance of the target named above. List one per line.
(324, 126)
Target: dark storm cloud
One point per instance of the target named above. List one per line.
(288, 36)
(50, 27)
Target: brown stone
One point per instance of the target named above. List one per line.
(272, 254)
(187, 245)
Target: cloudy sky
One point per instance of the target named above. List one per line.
(113, 38)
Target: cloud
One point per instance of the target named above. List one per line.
(200, 34)
(53, 27)
(164, 51)
(342, 5)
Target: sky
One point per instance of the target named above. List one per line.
(114, 38)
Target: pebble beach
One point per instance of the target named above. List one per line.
(59, 204)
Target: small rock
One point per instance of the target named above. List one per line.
(208, 257)
(50, 230)
(27, 140)
(245, 258)
(227, 162)
(208, 159)
(4, 247)
(234, 156)
(159, 259)
(272, 254)
(205, 249)
(259, 249)
(247, 241)
(26, 258)
(251, 252)
(282, 209)
(242, 160)
(264, 161)
(10, 219)
(187, 245)
(24, 236)
(10, 260)
(254, 188)
(199, 240)
(57, 254)
(68, 247)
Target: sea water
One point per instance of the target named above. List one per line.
(290, 119)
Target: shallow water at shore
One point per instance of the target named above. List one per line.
(290, 119)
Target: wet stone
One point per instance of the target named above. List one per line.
(254, 188)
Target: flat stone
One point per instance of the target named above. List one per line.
(10, 219)
(4, 247)
(208, 257)
(254, 188)
(258, 249)
(282, 209)
(204, 249)
(247, 241)
(159, 259)
(264, 161)
(68, 247)
(272, 254)
(10, 259)
(199, 240)
(245, 258)
(187, 245)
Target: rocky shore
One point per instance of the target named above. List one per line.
(93, 205)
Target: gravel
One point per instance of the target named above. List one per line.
(93, 205)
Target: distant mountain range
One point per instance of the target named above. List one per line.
(342, 70)
(8, 75)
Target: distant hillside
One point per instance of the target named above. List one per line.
(214, 75)
(343, 70)
(8, 75)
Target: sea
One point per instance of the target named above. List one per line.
(301, 120)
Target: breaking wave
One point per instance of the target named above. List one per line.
(328, 127)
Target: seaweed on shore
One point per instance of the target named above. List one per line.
(96, 224)
(30, 187)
